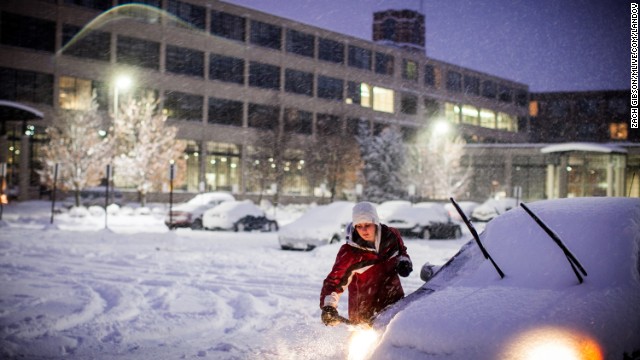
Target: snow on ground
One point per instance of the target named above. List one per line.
(76, 290)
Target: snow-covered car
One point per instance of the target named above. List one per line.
(466, 206)
(424, 221)
(492, 208)
(545, 306)
(320, 225)
(238, 216)
(189, 214)
(386, 208)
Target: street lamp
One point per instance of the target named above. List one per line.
(122, 82)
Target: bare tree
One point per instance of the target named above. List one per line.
(76, 145)
(145, 146)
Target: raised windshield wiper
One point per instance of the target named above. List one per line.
(575, 264)
(476, 236)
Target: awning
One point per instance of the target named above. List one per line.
(584, 147)
(13, 111)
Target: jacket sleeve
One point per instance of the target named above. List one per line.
(338, 279)
(402, 249)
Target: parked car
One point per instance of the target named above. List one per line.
(424, 221)
(386, 208)
(540, 309)
(466, 206)
(189, 214)
(492, 208)
(320, 225)
(238, 216)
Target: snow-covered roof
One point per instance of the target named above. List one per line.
(579, 146)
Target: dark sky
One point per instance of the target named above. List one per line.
(550, 45)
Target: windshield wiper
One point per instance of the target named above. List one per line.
(575, 264)
(476, 236)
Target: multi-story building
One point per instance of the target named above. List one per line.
(226, 75)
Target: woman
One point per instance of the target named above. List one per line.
(368, 266)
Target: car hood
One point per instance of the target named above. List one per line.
(467, 311)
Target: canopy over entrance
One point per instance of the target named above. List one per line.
(586, 147)
(12, 111)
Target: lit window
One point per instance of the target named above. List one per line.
(487, 118)
(75, 94)
(382, 99)
(618, 131)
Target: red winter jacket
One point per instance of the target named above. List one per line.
(370, 275)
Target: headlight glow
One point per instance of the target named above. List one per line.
(553, 344)
(361, 343)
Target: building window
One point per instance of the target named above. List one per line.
(189, 13)
(618, 131)
(384, 64)
(331, 51)
(264, 75)
(618, 105)
(27, 32)
(470, 115)
(409, 70)
(222, 166)
(266, 35)
(429, 75)
(504, 94)
(228, 25)
(454, 81)
(183, 106)
(225, 112)
(382, 99)
(522, 98)
(359, 58)
(409, 104)
(489, 89)
(138, 52)
(75, 93)
(92, 4)
(354, 124)
(227, 69)
(328, 125)
(330, 88)
(471, 85)
(487, 118)
(587, 107)
(94, 44)
(28, 86)
(185, 61)
(353, 93)
(431, 108)
(298, 121)
(558, 108)
(300, 43)
(263, 116)
(506, 122)
(298, 82)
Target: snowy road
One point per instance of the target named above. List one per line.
(129, 293)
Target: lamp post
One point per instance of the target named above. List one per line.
(121, 82)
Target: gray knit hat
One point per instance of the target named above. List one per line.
(365, 212)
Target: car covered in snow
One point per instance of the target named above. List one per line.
(492, 208)
(189, 214)
(238, 216)
(467, 208)
(571, 289)
(428, 220)
(320, 225)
